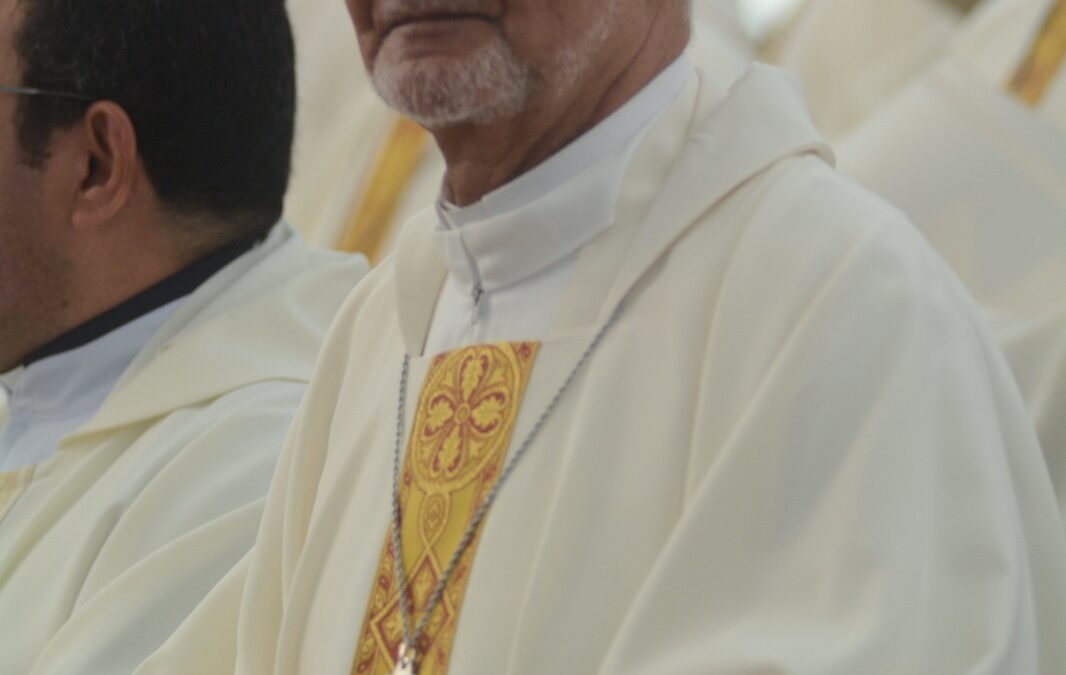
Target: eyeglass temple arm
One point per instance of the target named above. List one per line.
(33, 91)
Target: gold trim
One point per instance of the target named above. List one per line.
(12, 485)
(1045, 57)
(393, 168)
(457, 448)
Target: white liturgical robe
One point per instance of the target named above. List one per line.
(796, 451)
(106, 545)
(51, 398)
(984, 177)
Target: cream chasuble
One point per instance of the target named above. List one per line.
(106, 546)
(797, 451)
(983, 174)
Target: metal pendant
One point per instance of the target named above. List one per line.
(405, 661)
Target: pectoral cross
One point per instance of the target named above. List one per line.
(405, 661)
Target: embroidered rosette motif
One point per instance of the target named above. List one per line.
(458, 445)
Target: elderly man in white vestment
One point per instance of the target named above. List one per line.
(968, 137)
(157, 330)
(362, 170)
(651, 390)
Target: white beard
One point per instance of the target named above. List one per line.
(492, 86)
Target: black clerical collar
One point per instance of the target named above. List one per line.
(178, 285)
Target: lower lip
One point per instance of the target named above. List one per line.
(437, 27)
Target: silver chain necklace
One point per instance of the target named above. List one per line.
(408, 654)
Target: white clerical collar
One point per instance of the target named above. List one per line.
(76, 382)
(10, 380)
(62, 385)
(548, 213)
(52, 397)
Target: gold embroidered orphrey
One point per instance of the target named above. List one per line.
(457, 447)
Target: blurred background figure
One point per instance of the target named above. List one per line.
(955, 111)
(360, 170)
(851, 54)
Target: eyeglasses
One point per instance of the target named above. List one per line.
(33, 91)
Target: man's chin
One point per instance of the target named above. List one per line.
(440, 91)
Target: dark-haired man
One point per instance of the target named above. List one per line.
(157, 329)
(652, 391)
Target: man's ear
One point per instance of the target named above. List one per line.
(109, 166)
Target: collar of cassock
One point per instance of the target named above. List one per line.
(550, 212)
(81, 358)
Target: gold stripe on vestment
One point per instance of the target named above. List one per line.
(1045, 57)
(393, 168)
(457, 448)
